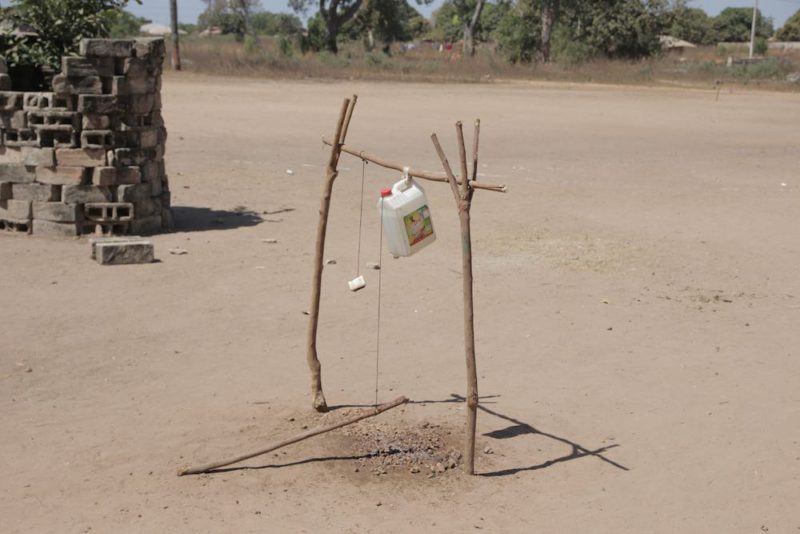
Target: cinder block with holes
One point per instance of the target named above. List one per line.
(33, 101)
(97, 138)
(108, 212)
(22, 226)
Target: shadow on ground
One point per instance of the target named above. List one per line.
(193, 219)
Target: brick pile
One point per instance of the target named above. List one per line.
(88, 157)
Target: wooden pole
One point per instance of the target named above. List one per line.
(332, 172)
(311, 433)
(463, 197)
(176, 53)
(423, 175)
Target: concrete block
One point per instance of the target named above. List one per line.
(62, 175)
(166, 200)
(150, 171)
(106, 47)
(20, 138)
(96, 122)
(5, 190)
(81, 157)
(56, 211)
(100, 104)
(148, 138)
(5, 82)
(49, 117)
(10, 100)
(147, 225)
(124, 252)
(17, 120)
(129, 176)
(15, 209)
(45, 228)
(16, 172)
(4, 66)
(94, 241)
(22, 226)
(56, 136)
(108, 212)
(36, 157)
(81, 194)
(141, 104)
(97, 139)
(156, 188)
(133, 193)
(79, 67)
(37, 101)
(147, 207)
(35, 192)
(129, 157)
(104, 176)
(150, 47)
(11, 155)
(90, 85)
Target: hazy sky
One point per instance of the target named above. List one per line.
(188, 10)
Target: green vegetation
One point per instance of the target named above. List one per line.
(57, 28)
(791, 30)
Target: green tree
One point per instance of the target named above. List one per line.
(614, 28)
(691, 24)
(518, 31)
(333, 14)
(266, 23)
(733, 25)
(790, 31)
(451, 19)
(387, 21)
(230, 16)
(59, 26)
(124, 23)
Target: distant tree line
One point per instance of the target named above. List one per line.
(523, 30)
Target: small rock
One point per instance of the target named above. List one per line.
(373, 265)
(379, 503)
(330, 262)
(415, 469)
(29, 370)
(290, 172)
(270, 240)
(488, 450)
(440, 468)
(178, 251)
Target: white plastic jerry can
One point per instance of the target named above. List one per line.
(406, 218)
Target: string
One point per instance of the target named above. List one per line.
(360, 218)
(378, 328)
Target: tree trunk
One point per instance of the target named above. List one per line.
(333, 30)
(469, 29)
(549, 16)
(176, 53)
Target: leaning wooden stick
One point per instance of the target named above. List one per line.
(310, 434)
(332, 172)
(423, 175)
(463, 197)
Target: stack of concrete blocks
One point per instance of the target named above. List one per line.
(88, 157)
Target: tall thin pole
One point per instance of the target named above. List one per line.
(753, 29)
(176, 52)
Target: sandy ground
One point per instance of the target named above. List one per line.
(637, 308)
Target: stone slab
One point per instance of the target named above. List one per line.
(124, 252)
(56, 212)
(45, 228)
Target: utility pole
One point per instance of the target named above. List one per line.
(753, 29)
(176, 52)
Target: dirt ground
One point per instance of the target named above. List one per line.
(637, 308)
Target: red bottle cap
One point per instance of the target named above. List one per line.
(386, 192)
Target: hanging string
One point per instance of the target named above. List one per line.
(360, 218)
(378, 328)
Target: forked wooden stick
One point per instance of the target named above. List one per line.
(345, 114)
(310, 434)
(463, 198)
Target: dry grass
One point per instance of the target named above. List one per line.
(701, 67)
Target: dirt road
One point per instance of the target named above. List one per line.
(637, 311)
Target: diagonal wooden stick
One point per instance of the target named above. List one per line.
(310, 434)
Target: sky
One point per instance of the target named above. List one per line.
(188, 10)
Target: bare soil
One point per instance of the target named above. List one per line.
(637, 308)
